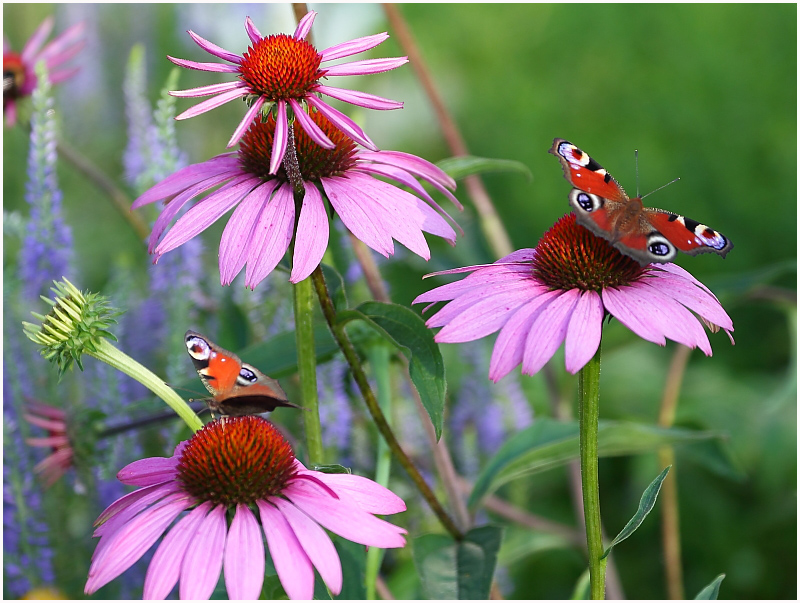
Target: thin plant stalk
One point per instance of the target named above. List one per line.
(589, 393)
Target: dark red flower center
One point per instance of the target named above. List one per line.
(255, 150)
(13, 76)
(236, 460)
(281, 67)
(569, 256)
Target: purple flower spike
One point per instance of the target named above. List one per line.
(560, 292)
(286, 68)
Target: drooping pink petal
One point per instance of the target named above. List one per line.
(280, 138)
(412, 164)
(237, 236)
(165, 567)
(247, 120)
(370, 496)
(10, 109)
(208, 90)
(291, 562)
(215, 67)
(361, 99)
(131, 541)
(64, 47)
(482, 276)
(149, 471)
(50, 425)
(366, 67)
(355, 218)
(304, 26)
(59, 75)
(315, 542)
(35, 42)
(351, 47)
(627, 311)
(548, 330)
(244, 556)
(310, 128)
(205, 213)
(212, 48)
(213, 103)
(341, 121)
(313, 230)
(202, 562)
(463, 303)
(160, 494)
(509, 348)
(271, 236)
(584, 331)
(691, 296)
(129, 499)
(51, 441)
(340, 517)
(46, 410)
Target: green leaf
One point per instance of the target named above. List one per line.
(405, 329)
(354, 561)
(712, 590)
(331, 469)
(581, 590)
(646, 504)
(453, 570)
(335, 284)
(549, 443)
(469, 165)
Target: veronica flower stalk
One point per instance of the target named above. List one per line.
(19, 76)
(560, 292)
(240, 466)
(281, 74)
(78, 324)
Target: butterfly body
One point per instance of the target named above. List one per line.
(237, 388)
(644, 233)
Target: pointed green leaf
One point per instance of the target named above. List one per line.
(405, 329)
(549, 443)
(581, 590)
(453, 570)
(646, 504)
(469, 165)
(712, 590)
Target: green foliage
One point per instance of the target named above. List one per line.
(711, 592)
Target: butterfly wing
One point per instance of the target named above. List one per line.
(686, 234)
(218, 368)
(584, 173)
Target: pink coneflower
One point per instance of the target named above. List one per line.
(283, 72)
(19, 78)
(236, 466)
(54, 421)
(259, 231)
(560, 292)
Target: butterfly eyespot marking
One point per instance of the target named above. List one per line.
(660, 247)
(246, 376)
(583, 201)
(197, 347)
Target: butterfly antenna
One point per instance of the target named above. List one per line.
(660, 187)
(636, 161)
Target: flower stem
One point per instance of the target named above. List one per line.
(307, 367)
(589, 392)
(360, 377)
(107, 353)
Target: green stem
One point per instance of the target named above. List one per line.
(307, 367)
(351, 356)
(107, 353)
(589, 386)
(379, 358)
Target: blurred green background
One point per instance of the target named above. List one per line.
(707, 93)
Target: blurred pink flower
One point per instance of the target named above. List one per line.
(284, 71)
(239, 464)
(19, 78)
(54, 421)
(560, 292)
(261, 227)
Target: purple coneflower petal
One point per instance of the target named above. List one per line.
(548, 331)
(341, 121)
(165, 567)
(217, 51)
(52, 441)
(64, 47)
(315, 542)
(271, 236)
(150, 493)
(205, 213)
(304, 26)
(238, 233)
(149, 471)
(252, 30)
(464, 302)
(208, 90)
(156, 496)
(486, 276)
(291, 562)
(280, 138)
(361, 99)
(690, 296)
(244, 556)
(215, 67)
(313, 231)
(212, 103)
(248, 118)
(50, 425)
(484, 317)
(347, 520)
(351, 47)
(60, 75)
(368, 495)
(366, 67)
(35, 42)
(355, 218)
(584, 331)
(412, 164)
(203, 559)
(10, 109)
(620, 305)
(308, 125)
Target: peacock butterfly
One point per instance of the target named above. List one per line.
(237, 388)
(644, 233)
